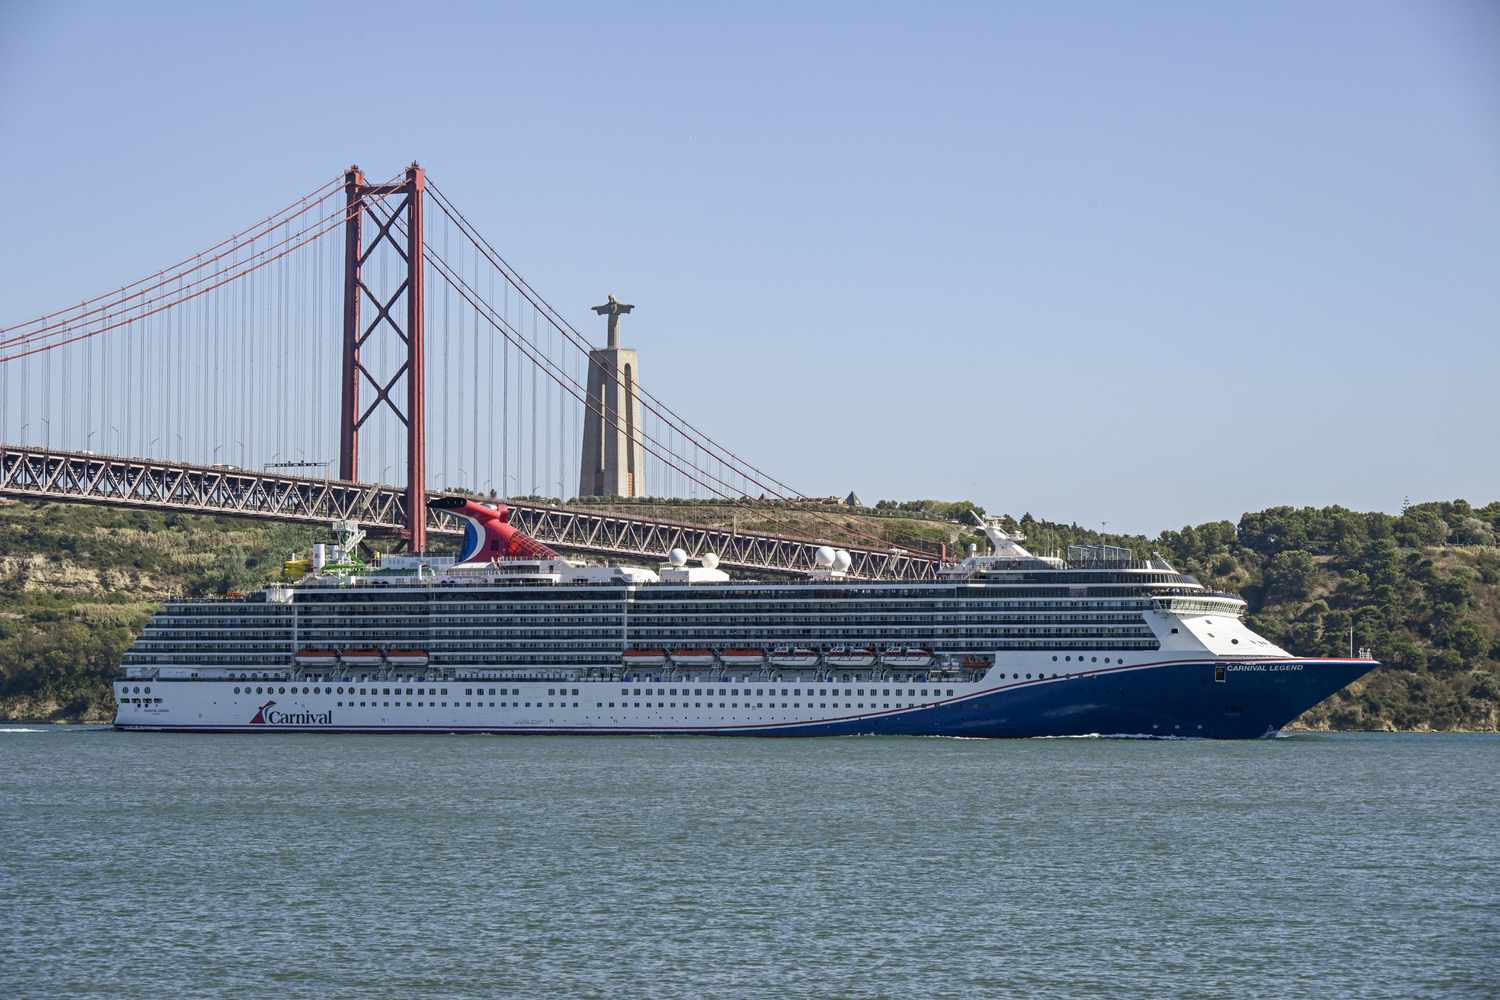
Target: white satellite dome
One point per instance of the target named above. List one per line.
(677, 557)
(824, 557)
(842, 560)
(710, 560)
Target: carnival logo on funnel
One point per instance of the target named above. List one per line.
(264, 716)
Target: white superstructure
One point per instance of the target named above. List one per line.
(546, 644)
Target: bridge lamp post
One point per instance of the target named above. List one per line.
(385, 475)
(49, 433)
(463, 477)
(117, 437)
(242, 453)
(512, 477)
(88, 441)
(181, 446)
(216, 453)
(23, 430)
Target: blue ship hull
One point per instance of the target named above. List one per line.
(1177, 699)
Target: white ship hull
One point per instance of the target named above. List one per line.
(1182, 697)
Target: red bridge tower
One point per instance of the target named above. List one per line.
(367, 199)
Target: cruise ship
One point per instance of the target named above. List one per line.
(509, 637)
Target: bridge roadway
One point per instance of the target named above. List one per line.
(84, 477)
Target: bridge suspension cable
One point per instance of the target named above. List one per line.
(235, 351)
(578, 340)
(766, 483)
(672, 457)
(269, 222)
(55, 335)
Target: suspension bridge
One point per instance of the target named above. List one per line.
(336, 332)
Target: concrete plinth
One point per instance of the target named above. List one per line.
(614, 453)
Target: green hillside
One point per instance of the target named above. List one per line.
(1421, 589)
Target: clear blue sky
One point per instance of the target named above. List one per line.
(1143, 264)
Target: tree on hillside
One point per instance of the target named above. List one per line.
(1421, 526)
(1289, 577)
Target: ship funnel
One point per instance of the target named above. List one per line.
(488, 533)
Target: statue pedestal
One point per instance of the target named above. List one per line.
(614, 452)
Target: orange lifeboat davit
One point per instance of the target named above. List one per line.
(850, 657)
(644, 657)
(907, 657)
(794, 657)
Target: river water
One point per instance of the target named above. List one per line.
(145, 865)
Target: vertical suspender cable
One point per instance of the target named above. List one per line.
(488, 409)
(534, 377)
(446, 369)
(504, 401)
(473, 414)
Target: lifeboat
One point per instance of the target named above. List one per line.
(907, 657)
(316, 657)
(742, 657)
(361, 657)
(850, 656)
(693, 657)
(407, 657)
(794, 656)
(644, 657)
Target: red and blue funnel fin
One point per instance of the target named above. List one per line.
(488, 533)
